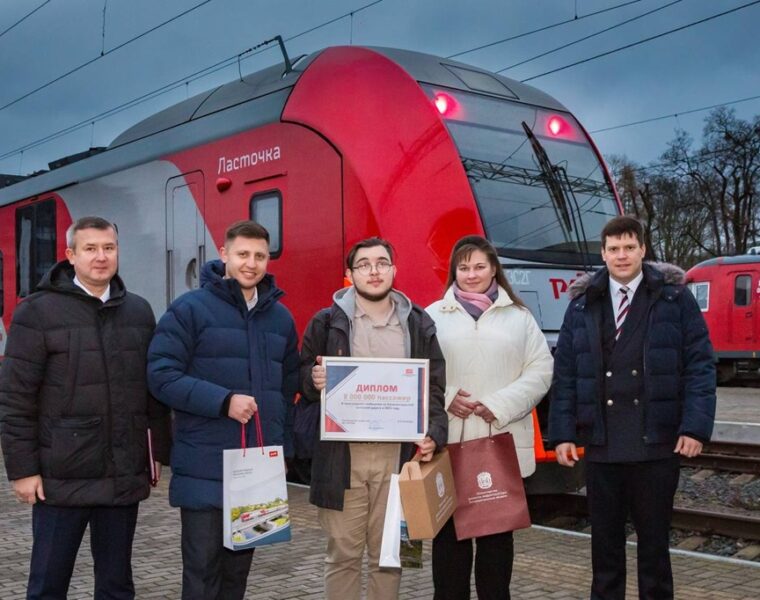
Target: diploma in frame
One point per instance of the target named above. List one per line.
(375, 399)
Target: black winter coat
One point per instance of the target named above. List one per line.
(74, 404)
(679, 369)
(328, 334)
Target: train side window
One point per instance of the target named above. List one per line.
(701, 292)
(35, 244)
(742, 290)
(266, 210)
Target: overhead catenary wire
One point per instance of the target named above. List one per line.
(643, 41)
(676, 114)
(24, 18)
(588, 37)
(694, 159)
(218, 66)
(540, 29)
(101, 55)
(103, 30)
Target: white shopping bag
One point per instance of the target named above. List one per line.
(397, 550)
(255, 497)
(389, 549)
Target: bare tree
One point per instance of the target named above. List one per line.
(698, 203)
(725, 173)
(660, 202)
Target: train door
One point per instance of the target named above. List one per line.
(185, 234)
(743, 309)
(287, 178)
(302, 210)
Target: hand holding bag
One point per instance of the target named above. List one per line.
(489, 487)
(255, 495)
(428, 495)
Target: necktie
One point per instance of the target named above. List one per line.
(622, 311)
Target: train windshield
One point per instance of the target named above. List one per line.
(545, 198)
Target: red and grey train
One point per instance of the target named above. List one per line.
(347, 143)
(727, 290)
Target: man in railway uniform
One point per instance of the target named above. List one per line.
(220, 354)
(634, 381)
(350, 481)
(75, 413)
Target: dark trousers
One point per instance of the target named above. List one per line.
(57, 534)
(209, 570)
(646, 489)
(452, 565)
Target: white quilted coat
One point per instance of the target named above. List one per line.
(502, 360)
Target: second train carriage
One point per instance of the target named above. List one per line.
(727, 290)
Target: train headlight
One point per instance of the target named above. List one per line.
(444, 103)
(557, 126)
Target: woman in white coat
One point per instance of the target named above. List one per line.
(498, 367)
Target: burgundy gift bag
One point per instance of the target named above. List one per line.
(489, 487)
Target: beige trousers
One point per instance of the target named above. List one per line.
(360, 524)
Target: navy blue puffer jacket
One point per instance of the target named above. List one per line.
(207, 346)
(679, 369)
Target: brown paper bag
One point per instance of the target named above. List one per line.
(490, 488)
(427, 495)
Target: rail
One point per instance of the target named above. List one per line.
(727, 456)
(703, 521)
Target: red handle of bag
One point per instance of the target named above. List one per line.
(259, 433)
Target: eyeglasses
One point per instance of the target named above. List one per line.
(381, 267)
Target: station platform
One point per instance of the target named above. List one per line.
(548, 563)
(737, 415)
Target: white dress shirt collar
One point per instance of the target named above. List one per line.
(103, 298)
(615, 292)
(254, 299)
(632, 286)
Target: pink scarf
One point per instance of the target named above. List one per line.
(480, 302)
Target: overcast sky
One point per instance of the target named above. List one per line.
(710, 63)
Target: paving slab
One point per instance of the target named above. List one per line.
(738, 415)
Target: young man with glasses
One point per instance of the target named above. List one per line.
(350, 481)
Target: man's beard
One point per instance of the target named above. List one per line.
(374, 297)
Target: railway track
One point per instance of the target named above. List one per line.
(717, 523)
(706, 522)
(727, 456)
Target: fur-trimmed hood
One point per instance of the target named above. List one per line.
(655, 273)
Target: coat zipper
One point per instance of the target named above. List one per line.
(109, 414)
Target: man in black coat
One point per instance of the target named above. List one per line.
(634, 381)
(350, 481)
(75, 414)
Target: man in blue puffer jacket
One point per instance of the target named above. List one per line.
(634, 381)
(220, 354)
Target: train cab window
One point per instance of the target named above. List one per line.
(701, 292)
(523, 214)
(266, 210)
(35, 244)
(743, 290)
